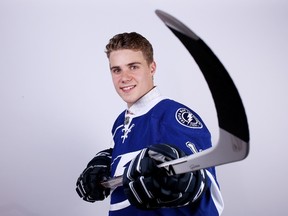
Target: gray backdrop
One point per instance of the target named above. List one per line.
(58, 102)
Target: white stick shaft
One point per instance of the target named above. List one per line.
(228, 149)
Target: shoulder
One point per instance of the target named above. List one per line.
(171, 110)
(168, 105)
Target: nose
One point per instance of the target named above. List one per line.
(126, 76)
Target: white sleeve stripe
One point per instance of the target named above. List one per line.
(120, 205)
(216, 194)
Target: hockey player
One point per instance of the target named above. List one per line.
(153, 129)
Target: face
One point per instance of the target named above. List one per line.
(132, 76)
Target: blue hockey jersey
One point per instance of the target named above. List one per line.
(152, 120)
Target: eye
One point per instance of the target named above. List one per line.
(133, 67)
(115, 70)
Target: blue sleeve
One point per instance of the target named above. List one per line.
(178, 125)
(174, 123)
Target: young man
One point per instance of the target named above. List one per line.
(153, 129)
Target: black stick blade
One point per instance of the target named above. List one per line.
(229, 107)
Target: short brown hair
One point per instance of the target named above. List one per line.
(133, 41)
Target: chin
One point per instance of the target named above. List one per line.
(129, 102)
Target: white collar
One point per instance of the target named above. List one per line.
(145, 103)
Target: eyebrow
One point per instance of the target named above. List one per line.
(114, 67)
(129, 64)
(133, 63)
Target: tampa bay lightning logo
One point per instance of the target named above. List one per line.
(186, 118)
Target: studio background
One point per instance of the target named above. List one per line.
(58, 103)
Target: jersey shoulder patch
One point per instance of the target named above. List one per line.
(184, 115)
(186, 118)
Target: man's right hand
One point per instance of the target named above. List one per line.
(147, 186)
(88, 184)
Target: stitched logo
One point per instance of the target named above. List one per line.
(187, 119)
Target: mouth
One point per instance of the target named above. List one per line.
(127, 88)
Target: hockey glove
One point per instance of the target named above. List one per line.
(88, 184)
(147, 186)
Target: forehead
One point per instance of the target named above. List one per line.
(126, 56)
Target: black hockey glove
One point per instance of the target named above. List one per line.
(88, 184)
(147, 186)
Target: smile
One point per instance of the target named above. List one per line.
(127, 88)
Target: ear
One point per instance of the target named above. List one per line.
(153, 67)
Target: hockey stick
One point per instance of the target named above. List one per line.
(233, 143)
